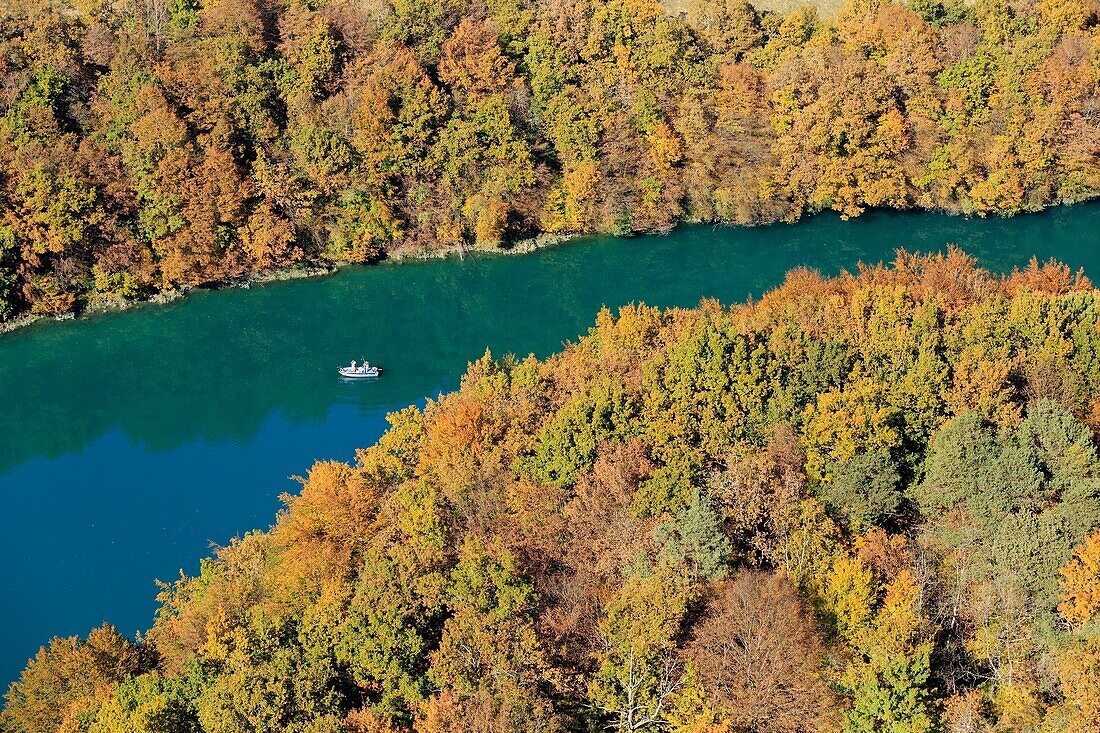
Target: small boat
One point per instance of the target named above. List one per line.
(365, 371)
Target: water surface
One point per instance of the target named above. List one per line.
(129, 443)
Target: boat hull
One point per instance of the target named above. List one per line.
(349, 373)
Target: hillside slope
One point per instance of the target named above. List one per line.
(150, 146)
(843, 505)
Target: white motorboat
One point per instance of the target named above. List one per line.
(363, 371)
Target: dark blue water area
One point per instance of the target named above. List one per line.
(86, 534)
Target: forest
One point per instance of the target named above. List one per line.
(155, 145)
(865, 504)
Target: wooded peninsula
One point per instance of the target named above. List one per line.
(152, 145)
(866, 504)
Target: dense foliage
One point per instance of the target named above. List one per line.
(863, 504)
(148, 145)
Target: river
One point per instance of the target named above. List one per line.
(132, 442)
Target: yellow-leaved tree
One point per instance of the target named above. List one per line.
(1081, 582)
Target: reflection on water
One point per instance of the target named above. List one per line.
(131, 441)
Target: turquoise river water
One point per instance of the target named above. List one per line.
(130, 443)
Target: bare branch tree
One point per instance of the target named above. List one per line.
(645, 692)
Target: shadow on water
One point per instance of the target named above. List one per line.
(132, 440)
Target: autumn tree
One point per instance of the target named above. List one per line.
(759, 657)
(68, 678)
(1080, 582)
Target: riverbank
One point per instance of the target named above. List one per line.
(102, 305)
(519, 247)
(525, 246)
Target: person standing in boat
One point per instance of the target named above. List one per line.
(353, 365)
